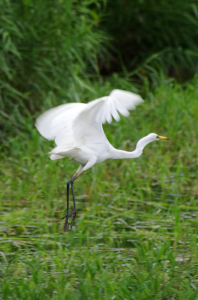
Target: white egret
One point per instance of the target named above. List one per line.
(78, 133)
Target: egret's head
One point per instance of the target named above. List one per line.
(154, 137)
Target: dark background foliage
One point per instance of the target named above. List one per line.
(143, 30)
(56, 49)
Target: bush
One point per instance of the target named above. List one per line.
(162, 34)
(48, 47)
(55, 49)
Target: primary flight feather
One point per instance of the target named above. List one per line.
(78, 133)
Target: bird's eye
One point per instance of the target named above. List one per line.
(157, 137)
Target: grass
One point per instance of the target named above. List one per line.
(135, 235)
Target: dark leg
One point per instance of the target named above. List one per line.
(74, 212)
(67, 214)
(71, 181)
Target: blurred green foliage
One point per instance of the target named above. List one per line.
(47, 47)
(151, 34)
(56, 49)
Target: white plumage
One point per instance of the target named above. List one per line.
(78, 133)
(76, 124)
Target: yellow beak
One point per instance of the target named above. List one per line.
(162, 138)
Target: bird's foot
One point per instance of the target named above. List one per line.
(66, 221)
(73, 218)
(66, 217)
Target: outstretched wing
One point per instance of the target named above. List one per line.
(87, 127)
(56, 123)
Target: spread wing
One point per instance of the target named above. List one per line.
(56, 123)
(75, 124)
(87, 127)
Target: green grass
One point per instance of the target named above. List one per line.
(135, 235)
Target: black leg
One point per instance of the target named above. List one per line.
(74, 212)
(66, 217)
(67, 214)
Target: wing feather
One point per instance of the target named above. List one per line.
(87, 127)
(56, 123)
(76, 124)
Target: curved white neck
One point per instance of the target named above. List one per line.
(119, 154)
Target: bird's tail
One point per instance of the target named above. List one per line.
(58, 153)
